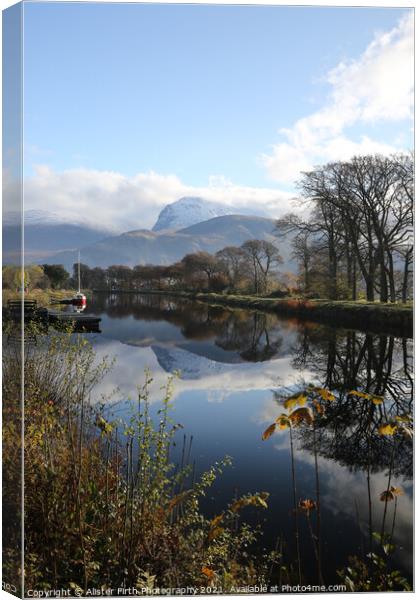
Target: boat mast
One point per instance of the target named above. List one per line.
(78, 271)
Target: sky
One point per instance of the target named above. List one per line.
(128, 107)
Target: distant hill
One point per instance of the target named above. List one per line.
(45, 235)
(151, 247)
(240, 227)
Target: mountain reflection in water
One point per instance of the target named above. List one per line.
(236, 367)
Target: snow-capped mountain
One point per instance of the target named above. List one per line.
(189, 211)
(192, 367)
(144, 247)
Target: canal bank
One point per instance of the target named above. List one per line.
(374, 316)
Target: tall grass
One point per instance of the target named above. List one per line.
(305, 411)
(105, 505)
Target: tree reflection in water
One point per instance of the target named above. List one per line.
(362, 420)
(355, 366)
(378, 365)
(341, 360)
(254, 336)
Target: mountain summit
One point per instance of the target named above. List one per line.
(145, 247)
(189, 211)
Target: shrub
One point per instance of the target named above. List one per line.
(104, 504)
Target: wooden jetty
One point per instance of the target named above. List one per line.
(47, 316)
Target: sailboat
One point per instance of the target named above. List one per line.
(79, 299)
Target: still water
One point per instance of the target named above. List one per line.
(235, 368)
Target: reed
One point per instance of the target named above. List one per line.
(105, 505)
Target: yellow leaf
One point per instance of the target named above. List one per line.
(377, 399)
(300, 415)
(325, 394)
(209, 573)
(319, 408)
(387, 429)
(289, 403)
(255, 500)
(386, 496)
(358, 394)
(239, 504)
(269, 431)
(215, 532)
(283, 421)
(403, 418)
(103, 425)
(307, 504)
(299, 398)
(390, 494)
(178, 499)
(216, 520)
(260, 500)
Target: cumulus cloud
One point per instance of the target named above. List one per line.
(377, 87)
(115, 201)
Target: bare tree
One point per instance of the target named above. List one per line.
(302, 251)
(362, 210)
(262, 257)
(201, 263)
(232, 259)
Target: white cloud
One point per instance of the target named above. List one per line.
(377, 87)
(110, 199)
(217, 380)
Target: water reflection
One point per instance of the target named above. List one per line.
(241, 336)
(379, 365)
(235, 368)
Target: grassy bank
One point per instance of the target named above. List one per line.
(111, 503)
(374, 316)
(42, 297)
(365, 315)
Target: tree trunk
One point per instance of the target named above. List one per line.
(306, 276)
(370, 277)
(332, 284)
(255, 278)
(367, 271)
(383, 293)
(404, 291)
(349, 269)
(392, 295)
(354, 282)
(370, 289)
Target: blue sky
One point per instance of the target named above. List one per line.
(186, 93)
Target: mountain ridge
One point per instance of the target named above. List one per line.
(163, 248)
(44, 238)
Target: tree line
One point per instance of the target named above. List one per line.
(36, 276)
(252, 267)
(357, 238)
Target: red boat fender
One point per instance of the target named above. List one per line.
(79, 300)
